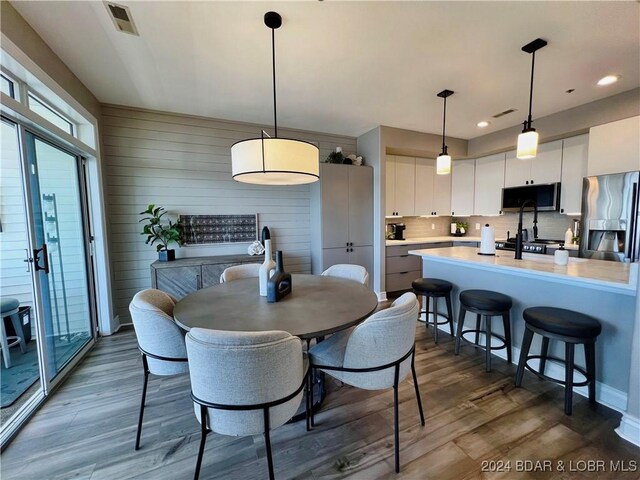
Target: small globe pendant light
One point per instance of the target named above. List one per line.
(528, 139)
(443, 162)
(274, 160)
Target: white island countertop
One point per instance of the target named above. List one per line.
(419, 240)
(598, 274)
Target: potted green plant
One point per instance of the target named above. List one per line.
(163, 233)
(462, 227)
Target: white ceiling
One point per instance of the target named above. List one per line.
(346, 67)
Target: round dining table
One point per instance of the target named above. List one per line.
(316, 306)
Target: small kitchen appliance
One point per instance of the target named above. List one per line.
(397, 231)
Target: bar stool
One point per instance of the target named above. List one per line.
(9, 308)
(570, 327)
(487, 304)
(435, 288)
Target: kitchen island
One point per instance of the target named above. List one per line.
(605, 290)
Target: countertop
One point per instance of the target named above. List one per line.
(418, 240)
(593, 273)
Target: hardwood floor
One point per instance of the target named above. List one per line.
(87, 429)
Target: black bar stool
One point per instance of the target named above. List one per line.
(435, 288)
(487, 304)
(570, 327)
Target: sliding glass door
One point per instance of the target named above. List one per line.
(60, 251)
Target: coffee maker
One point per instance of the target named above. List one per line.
(397, 231)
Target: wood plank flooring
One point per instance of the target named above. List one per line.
(87, 429)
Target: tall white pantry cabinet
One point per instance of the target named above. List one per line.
(342, 217)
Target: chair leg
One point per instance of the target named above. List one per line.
(487, 320)
(459, 327)
(426, 312)
(590, 356)
(524, 353)
(449, 312)
(142, 400)
(17, 328)
(4, 344)
(396, 433)
(544, 350)
(203, 439)
(308, 403)
(435, 320)
(415, 384)
(568, 378)
(267, 443)
(506, 320)
(312, 375)
(478, 321)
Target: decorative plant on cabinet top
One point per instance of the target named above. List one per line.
(158, 231)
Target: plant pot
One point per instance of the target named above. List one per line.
(167, 255)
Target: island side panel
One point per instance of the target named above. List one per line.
(614, 310)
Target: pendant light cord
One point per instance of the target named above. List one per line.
(444, 123)
(533, 63)
(273, 56)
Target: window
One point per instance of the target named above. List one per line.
(45, 111)
(7, 86)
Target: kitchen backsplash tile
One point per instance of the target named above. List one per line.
(550, 225)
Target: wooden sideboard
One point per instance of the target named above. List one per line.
(186, 275)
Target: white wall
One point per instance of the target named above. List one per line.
(184, 164)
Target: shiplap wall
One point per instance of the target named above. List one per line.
(184, 164)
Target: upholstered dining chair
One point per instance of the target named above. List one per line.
(236, 272)
(356, 273)
(160, 339)
(375, 355)
(245, 383)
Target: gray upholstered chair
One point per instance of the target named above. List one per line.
(356, 273)
(10, 308)
(160, 339)
(375, 355)
(236, 272)
(245, 383)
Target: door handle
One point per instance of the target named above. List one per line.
(28, 260)
(36, 259)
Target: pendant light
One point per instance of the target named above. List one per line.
(274, 160)
(528, 139)
(443, 162)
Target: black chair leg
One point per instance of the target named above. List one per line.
(524, 353)
(308, 403)
(544, 351)
(568, 378)
(459, 328)
(415, 384)
(426, 312)
(435, 320)
(487, 341)
(478, 319)
(449, 312)
(267, 443)
(203, 439)
(590, 357)
(312, 376)
(506, 320)
(142, 400)
(396, 432)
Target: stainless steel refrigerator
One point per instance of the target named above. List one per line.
(610, 217)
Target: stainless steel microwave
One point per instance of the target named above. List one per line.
(546, 196)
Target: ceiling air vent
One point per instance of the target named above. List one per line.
(506, 112)
(121, 17)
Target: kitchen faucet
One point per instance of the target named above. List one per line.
(535, 226)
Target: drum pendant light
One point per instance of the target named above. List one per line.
(528, 139)
(443, 162)
(273, 160)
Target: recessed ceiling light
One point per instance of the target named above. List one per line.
(608, 80)
(483, 124)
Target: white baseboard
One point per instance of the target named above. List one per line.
(629, 429)
(605, 394)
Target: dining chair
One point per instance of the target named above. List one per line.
(375, 355)
(236, 272)
(245, 383)
(160, 339)
(350, 272)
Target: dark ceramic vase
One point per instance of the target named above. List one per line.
(279, 285)
(167, 255)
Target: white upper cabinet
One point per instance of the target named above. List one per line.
(424, 186)
(614, 147)
(390, 186)
(575, 152)
(489, 180)
(405, 186)
(462, 187)
(546, 167)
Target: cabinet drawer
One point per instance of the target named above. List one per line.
(403, 263)
(399, 250)
(179, 281)
(466, 244)
(211, 273)
(400, 281)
